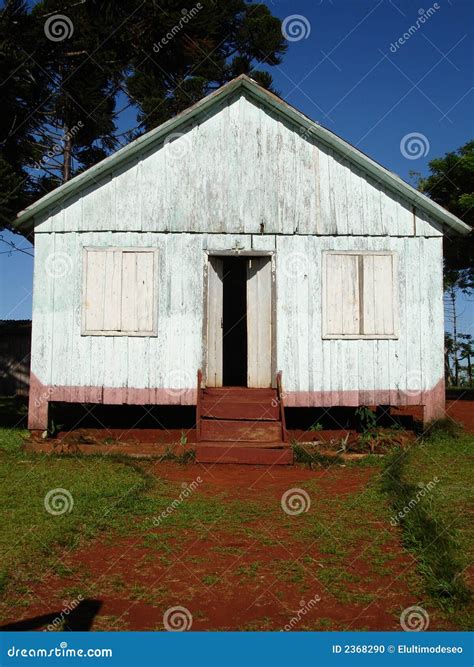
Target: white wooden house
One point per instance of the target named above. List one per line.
(240, 238)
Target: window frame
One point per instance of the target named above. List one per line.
(395, 301)
(119, 332)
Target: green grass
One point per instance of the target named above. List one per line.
(250, 571)
(430, 487)
(109, 494)
(310, 456)
(452, 501)
(341, 532)
(210, 579)
(102, 490)
(11, 440)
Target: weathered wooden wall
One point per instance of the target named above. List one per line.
(241, 170)
(347, 370)
(351, 372)
(241, 178)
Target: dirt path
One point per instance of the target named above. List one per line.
(230, 555)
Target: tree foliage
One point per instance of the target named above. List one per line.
(70, 68)
(83, 75)
(211, 43)
(21, 93)
(451, 184)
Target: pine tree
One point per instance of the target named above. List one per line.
(22, 83)
(180, 55)
(66, 63)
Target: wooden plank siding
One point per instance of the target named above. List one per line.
(214, 317)
(357, 369)
(240, 178)
(241, 171)
(334, 370)
(259, 322)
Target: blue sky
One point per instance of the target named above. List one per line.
(345, 70)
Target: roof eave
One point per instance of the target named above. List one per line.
(125, 153)
(377, 170)
(25, 219)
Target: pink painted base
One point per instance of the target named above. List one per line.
(433, 400)
(41, 395)
(348, 398)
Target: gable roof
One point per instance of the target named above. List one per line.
(25, 219)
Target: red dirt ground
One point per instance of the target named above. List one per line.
(463, 412)
(152, 583)
(460, 410)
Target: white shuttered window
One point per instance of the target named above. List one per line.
(119, 292)
(360, 295)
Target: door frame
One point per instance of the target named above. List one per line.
(239, 253)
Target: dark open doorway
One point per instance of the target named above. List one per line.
(234, 324)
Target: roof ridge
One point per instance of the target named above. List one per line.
(244, 82)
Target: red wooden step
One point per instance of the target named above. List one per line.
(245, 455)
(277, 444)
(243, 393)
(233, 430)
(249, 399)
(234, 408)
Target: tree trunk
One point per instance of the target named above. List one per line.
(447, 369)
(67, 155)
(455, 336)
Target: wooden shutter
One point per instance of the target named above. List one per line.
(359, 295)
(342, 291)
(378, 290)
(119, 292)
(137, 292)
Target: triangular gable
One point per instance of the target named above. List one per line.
(40, 208)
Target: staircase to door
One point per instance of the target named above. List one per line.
(241, 425)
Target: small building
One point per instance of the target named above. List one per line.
(238, 239)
